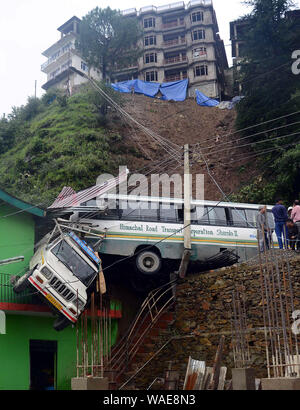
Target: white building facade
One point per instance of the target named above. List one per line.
(64, 63)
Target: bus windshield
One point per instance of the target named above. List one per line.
(73, 261)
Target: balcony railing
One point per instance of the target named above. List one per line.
(175, 59)
(193, 3)
(7, 295)
(172, 24)
(175, 77)
(57, 55)
(174, 42)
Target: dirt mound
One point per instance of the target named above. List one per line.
(187, 123)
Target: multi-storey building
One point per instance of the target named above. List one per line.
(64, 63)
(180, 41)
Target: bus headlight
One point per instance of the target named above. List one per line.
(46, 272)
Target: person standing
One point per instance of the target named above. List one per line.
(281, 216)
(295, 214)
(263, 229)
(292, 233)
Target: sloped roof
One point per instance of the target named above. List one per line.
(24, 206)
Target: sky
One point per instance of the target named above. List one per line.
(28, 27)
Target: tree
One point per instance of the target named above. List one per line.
(266, 76)
(108, 40)
(271, 89)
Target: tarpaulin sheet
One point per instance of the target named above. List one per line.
(138, 86)
(170, 91)
(205, 101)
(175, 91)
(229, 105)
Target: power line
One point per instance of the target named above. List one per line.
(247, 128)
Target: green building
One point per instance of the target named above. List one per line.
(32, 354)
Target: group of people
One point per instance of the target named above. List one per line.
(287, 226)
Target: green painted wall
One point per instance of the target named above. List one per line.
(14, 350)
(16, 238)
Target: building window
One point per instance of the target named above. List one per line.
(149, 22)
(197, 16)
(150, 41)
(150, 58)
(84, 66)
(151, 76)
(199, 52)
(200, 70)
(198, 34)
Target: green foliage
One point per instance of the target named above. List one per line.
(109, 40)
(48, 144)
(271, 91)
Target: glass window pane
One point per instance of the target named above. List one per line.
(129, 210)
(168, 213)
(251, 217)
(199, 215)
(271, 221)
(149, 211)
(239, 217)
(217, 216)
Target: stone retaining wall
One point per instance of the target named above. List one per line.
(203, 314)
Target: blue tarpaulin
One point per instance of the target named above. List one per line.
(174, 91)
(205, 101)
(138, 86)
(170, 91)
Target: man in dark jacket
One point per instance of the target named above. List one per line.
(293, 234)
(280, 216)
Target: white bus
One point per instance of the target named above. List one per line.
(150, 229)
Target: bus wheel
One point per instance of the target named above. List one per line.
(148, 262)
(22, 283)
(61, 323)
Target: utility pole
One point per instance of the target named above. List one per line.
(187, 199)
(187, 215)
(35, 89)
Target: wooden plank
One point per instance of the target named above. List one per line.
(222, 378)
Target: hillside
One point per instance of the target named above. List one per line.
(58, 142)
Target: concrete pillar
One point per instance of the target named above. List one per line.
(89, 383)
(281, 383)
(243, 379)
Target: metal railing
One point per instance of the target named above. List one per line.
(176, 59)
(7, 294)
(174, 42)
(157, 303)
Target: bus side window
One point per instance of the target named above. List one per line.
(199, 216)
(129, 210)
(149, 211)
(251, 217)
(217, 216)
(238, 218)
(167, 213)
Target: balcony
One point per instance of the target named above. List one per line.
(173, 42)
(172, 24)
(175, 77)
(175, 60)
(61, 52)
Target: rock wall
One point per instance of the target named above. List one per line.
(203, 313)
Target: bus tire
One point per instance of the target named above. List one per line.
(60, 323)
(22, 283)
(148, 262)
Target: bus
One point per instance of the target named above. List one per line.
(150, 229)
